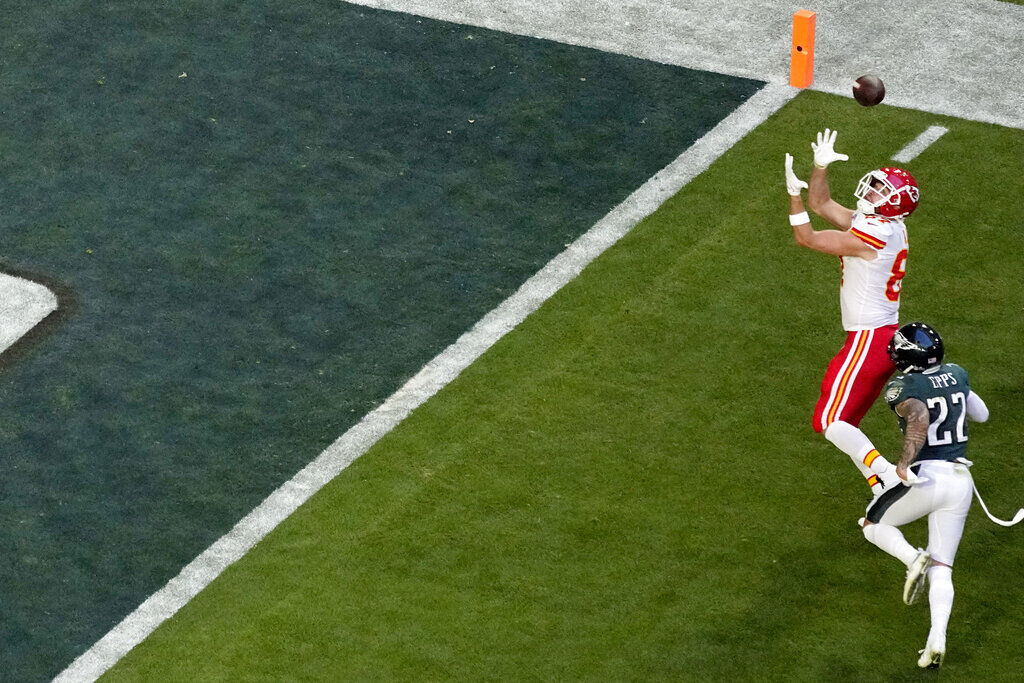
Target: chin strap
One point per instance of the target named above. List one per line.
(865, 207)
(1017, 518)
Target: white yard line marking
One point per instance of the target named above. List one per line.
(919, 144)
(434, 375)
(23, 305)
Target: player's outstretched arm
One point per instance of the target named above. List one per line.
(915, 413)
(797, 215)
(833, 242)
(976, 408)
(819, 197)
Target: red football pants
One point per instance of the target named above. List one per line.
(855, 377)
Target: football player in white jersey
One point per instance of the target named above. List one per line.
(871, 243)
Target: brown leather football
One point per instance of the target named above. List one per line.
(868, 90)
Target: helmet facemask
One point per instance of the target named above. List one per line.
(883, 194)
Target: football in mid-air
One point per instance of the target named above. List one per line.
(868, 90)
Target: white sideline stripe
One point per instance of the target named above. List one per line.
(919, 144)
(427, 382)
(23, 305)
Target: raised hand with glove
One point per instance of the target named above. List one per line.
(793, 184)
(824, 149)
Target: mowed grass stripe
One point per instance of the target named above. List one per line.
(627, 485)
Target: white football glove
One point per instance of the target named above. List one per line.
(824, 149)
(914, 480)
(793, 184)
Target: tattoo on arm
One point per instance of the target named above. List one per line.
(916, 414)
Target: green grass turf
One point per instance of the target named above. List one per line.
(627, 486)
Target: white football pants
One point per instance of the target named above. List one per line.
(945, 498)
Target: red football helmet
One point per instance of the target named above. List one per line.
(897, 194)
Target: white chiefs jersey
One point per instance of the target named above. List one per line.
(870, 290)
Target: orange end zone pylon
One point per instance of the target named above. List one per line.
(801, 60)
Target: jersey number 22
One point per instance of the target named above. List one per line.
(944, 438)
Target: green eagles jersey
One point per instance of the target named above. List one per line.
(944, 391)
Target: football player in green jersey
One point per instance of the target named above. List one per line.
(933, 402)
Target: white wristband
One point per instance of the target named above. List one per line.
(799, 218)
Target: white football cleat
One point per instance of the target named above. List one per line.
(931, 657)
(917, 574)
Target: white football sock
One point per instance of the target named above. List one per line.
(891, 540)
(940, 602)
(852, 441)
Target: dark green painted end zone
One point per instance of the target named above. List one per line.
(269, 219)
